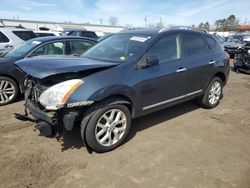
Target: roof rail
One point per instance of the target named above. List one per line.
(183, 28)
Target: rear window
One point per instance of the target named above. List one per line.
(3, 38)
(89, 34)
(75, 33)
(211, 42)
(44, 34)
(194, 44)
(25, 35)
(79, 47)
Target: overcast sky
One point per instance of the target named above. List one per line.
(178, 12)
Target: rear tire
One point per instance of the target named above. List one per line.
(107, 128)
(9, 90)
(213, 94)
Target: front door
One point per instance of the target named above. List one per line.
(163, 83)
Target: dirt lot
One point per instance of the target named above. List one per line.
(183, 146)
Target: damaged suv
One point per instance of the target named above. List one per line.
(125, 76)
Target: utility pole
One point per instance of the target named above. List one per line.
(100, 21)
(146, 20)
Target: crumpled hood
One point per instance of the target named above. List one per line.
(42, 67)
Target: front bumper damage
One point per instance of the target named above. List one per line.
(49, 122)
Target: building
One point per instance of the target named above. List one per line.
(60, 26)
(243, 28)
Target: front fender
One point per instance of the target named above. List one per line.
(88, 93)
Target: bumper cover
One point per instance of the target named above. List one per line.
(41, 115)
(60, 120)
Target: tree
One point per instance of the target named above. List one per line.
(205, 26)
(201, 25)
(227, 24)
(113, 20)
(232, 23)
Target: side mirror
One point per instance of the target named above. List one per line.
(152, 60)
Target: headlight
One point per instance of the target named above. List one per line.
(57, 95)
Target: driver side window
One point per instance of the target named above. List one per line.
(167, 48)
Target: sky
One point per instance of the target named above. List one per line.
(128, 12)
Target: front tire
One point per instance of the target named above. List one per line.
(213, 94)
(9, 90)
(107, 128)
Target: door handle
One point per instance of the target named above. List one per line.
(211, 62)
(181, 70)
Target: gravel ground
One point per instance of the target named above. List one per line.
(183, 146)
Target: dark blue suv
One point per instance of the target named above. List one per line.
(125, 76)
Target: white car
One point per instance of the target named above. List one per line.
(13, 36)
(47, 33)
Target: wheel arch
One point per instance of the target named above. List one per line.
(222, 76)
(120, 99)
(21, 89)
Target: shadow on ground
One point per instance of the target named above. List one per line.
(73, 140)
(158, 117)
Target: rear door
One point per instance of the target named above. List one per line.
(163, 83)
(78, 47)
(200, 62)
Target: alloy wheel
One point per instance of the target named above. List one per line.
(214, 93)
(110, 127)
(7, 91)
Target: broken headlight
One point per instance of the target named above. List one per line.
(56, 96)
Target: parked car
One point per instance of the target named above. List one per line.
(47, 33)
(221, 39)
(13, 36)
(127, 75)
(11, 79)
(83, 33)
(233, 43)
(242, 57)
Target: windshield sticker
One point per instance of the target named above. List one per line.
(139, 39)
(123, 58)
(36, 42)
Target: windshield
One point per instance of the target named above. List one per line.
(21, 49)
(118, 48)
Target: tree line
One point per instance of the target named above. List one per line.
(231, 23)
